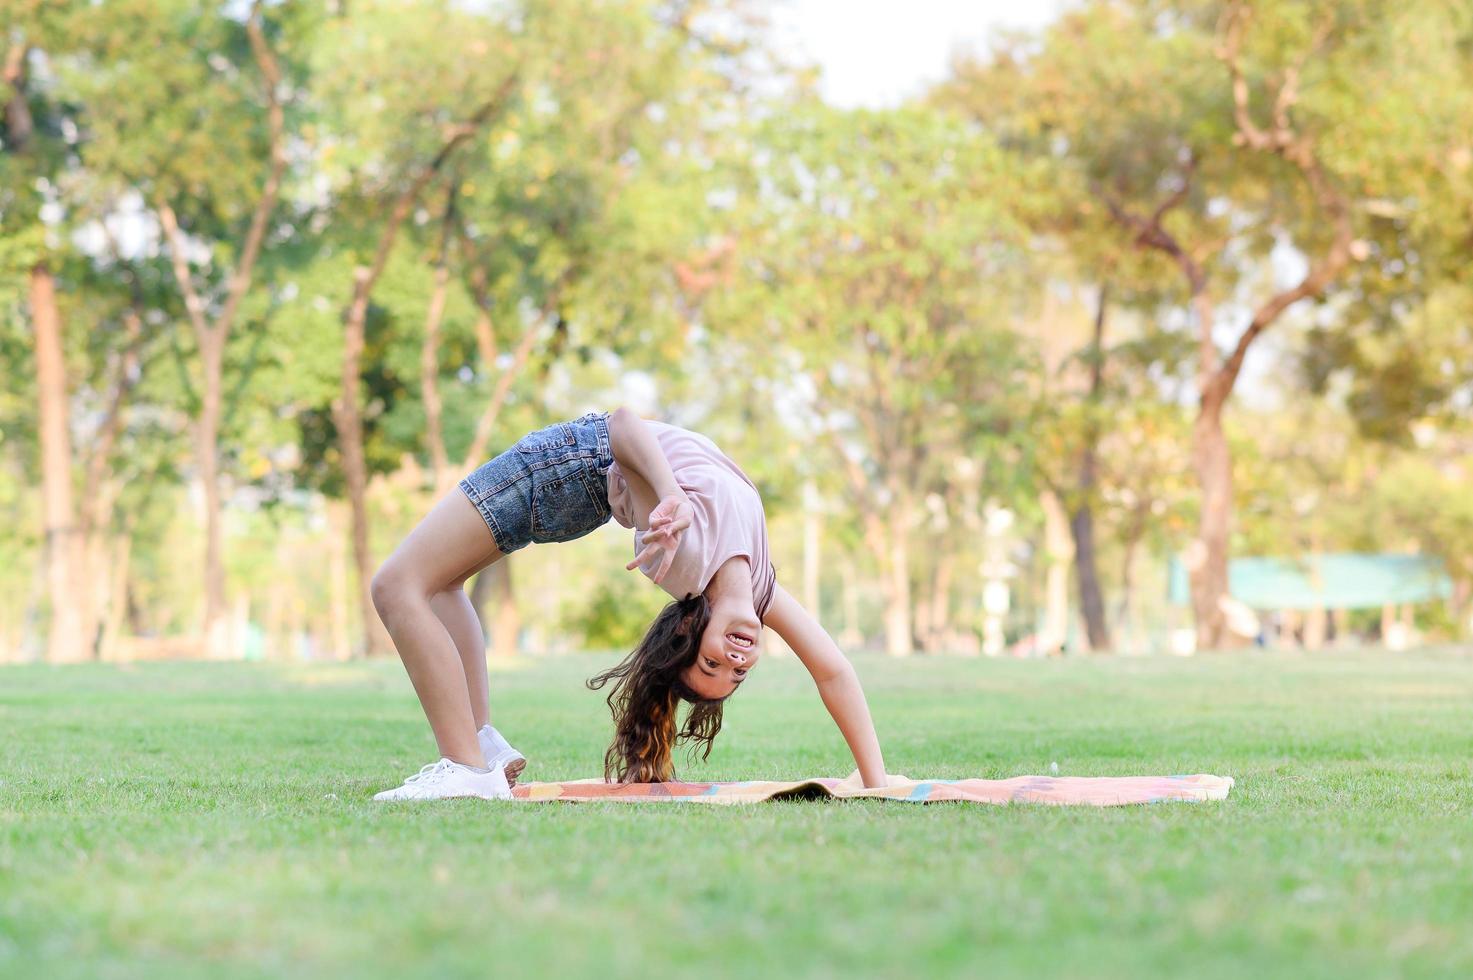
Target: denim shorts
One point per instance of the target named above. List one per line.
(552, 485)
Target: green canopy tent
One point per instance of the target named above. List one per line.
(1342, 581)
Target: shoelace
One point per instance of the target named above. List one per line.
(431, 773)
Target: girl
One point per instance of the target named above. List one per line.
(699, 532)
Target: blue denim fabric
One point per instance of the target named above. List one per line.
(552, 485)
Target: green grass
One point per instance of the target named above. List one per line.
(215, 819)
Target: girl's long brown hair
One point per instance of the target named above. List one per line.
(647, 694)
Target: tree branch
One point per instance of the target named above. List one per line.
(487, 420)
(485, 334)
(523, 351)
(455, 135)
(127, 376)
(429, 353)
(192, 302)
(477, 283)
(17, 111)
(240, 281)
(1151, 232)
(15, 64)
(1298, 150)
(1281, 138)
(246, 370)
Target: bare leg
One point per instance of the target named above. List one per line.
(441, 551)
(454, 610)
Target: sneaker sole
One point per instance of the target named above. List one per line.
(513, 769)
(431, 799)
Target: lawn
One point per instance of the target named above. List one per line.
(189, 819)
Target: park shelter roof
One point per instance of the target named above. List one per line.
(1342, 581)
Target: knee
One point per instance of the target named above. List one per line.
(389, 589)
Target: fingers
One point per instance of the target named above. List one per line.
(668, 542)
(669, 512)
(645, 554)
(639, 559)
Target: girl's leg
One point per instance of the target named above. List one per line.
(454, 610)
(443, 549)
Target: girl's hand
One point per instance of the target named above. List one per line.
(668, 521)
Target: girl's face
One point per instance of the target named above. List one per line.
(728, 652)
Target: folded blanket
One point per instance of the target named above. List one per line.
(1054, 790)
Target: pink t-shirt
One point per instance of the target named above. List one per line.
(728, 518)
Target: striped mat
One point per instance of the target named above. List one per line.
(1052, 790)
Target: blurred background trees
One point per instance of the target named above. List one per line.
(1165, 280)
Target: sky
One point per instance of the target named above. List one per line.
(874, 53)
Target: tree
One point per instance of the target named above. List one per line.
(878, 261)
(1088, 279)
(1228, 132)
(397, 102)
(190, 115)
(524, 199)
(43, 180)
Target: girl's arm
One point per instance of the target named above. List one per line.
(837, 682)
(645, 467)
(661, 508)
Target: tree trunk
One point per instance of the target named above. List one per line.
(495, 601)
(339, 587)
(1081, 522)
(1315, 622)
(812, 529)
(1059, 548)
(851, 637)
(430, 388)
(938, 617)
(349, 422)
(899, 638)
(116, 612)
(96, 571)
(65, 641)
(429, 353)
(207, 437)
(346, 414)
(277, 599)
(212, 334)
(1207, 556)
(1462, 591)
(1316, 619)
(18, 121)
(1091, 601)
(921, 617)
(1127, 615)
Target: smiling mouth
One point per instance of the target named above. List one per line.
(741, 640)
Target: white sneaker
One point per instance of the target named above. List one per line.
(446, 779)
(500, 754)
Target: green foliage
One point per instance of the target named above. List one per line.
(615, 614)
(661, 200)
(1428, 503)
(879, 254)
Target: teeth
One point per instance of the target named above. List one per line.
(738, 639)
